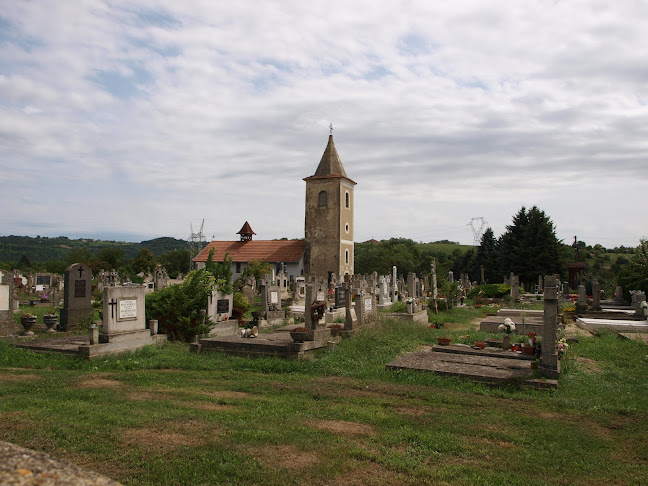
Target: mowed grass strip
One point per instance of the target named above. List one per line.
(166, 416)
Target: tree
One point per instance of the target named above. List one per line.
(175, 262)
(222, 272)
(634, 275)
(529, 247)
(23, 263)
(487, 257)
(112, 255)
(144, 261)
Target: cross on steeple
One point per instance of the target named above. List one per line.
(331, 128)
(112, 304)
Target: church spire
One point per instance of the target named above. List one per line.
(330, 165)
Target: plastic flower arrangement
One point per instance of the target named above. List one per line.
(561, 347)
(508, 327)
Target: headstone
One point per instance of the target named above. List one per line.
(394, 284)
(219, 306)
(77, 296)
(351, 319)
(549, 357)
(341, 296)
(515, 288)
(618, 295)
(161, 278)
(451, 276)
(7, 324)
(482, 281)
(596, 295)
(565, 290)
(581, 294)
(123, 314)
(540, 286)
(637, 298)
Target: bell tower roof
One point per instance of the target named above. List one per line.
(330, 166)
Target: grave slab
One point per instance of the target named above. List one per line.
(615, 325)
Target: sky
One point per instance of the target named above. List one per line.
(134, 120)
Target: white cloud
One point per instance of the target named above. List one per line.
(140, 117)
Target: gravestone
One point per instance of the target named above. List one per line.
(317, 327)
(341, 296)
(7, 324)
(351, 319)
(549, 357)
(451, 276)
(219, 311)
(515, 288)
(394, 284)
(434, 289)
(618, 294)
(638, 296)
(581, 294)
(77, 296)
(271, 298)
(123, 325)
(161, 278)
(596, 295)
(565, 290)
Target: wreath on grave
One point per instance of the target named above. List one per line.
(318, 308)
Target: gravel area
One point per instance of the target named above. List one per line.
(20, 466)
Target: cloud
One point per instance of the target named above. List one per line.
(139, 117)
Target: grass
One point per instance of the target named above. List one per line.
(166, 416)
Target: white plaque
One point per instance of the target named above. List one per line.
(321, 295)
(274, 297)
(4, 297)
(40, 288)
(127, 309)
(367, 304)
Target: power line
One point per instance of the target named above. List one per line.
(477, 226)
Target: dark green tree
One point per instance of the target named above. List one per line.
(144, 261)
(487, 257)
(112, 255)
(23, 263)
(175, 262)
(634, 275)
(529, 247)
(222, 272)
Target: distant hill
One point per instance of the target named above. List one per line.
(46, 249)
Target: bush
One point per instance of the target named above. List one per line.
(489, 291)
(240, 306)
(398, 307)
(180, 309)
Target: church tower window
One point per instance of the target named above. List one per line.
(323, 199)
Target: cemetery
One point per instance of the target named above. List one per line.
(295, 368)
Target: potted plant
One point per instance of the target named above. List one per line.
(300, 334)
(443, 341)
(28, 321)
(50, 321)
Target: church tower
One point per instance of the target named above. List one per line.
(329, 217)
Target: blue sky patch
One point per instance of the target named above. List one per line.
(123, 87)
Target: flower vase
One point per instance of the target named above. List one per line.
(50, 321)
(28, 322)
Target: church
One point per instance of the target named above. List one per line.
(327, 246)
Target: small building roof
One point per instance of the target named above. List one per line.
(246, 230)
(272, 251)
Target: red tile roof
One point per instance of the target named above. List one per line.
(273, 251)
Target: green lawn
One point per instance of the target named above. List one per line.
(166, 416)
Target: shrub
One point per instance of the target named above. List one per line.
(240, 306)
(398, 307)
(489, 291)
(180, 309)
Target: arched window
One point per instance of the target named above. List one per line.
(323, 199)
(347, 199)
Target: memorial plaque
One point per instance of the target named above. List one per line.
(320, 295)
(79, 288)
(274, 297)
(4, 297)
(340, 297)
(44, 280)
(367, 304)
(127, 309)
(222, 306)
(40, 288)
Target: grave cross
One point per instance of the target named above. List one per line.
(112, 305)
(80, 272)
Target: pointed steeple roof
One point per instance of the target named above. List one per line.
(330, 165)
(246, 232)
